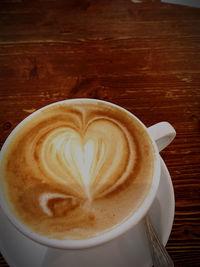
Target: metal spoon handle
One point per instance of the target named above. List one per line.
(160, 256)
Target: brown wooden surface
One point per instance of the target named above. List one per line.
(144, 57)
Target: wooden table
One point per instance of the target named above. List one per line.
(143, 56)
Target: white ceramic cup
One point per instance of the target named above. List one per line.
(161, 135)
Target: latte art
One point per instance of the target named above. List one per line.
(79, 159)
(78, 170)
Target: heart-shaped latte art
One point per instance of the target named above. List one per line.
(93, 161)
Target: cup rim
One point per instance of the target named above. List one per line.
(105, 237)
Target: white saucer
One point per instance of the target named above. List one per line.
(130, 250)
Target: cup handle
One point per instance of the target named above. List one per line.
(162, 133)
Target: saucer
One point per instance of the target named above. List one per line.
(130, 250)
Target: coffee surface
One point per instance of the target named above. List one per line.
(76, 170)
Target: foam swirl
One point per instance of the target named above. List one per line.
(45, 198)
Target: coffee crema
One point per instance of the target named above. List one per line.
(75, 170)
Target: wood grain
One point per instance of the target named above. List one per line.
(144, 57)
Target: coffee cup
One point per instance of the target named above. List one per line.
(81, 172)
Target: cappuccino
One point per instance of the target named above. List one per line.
(77, 169)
